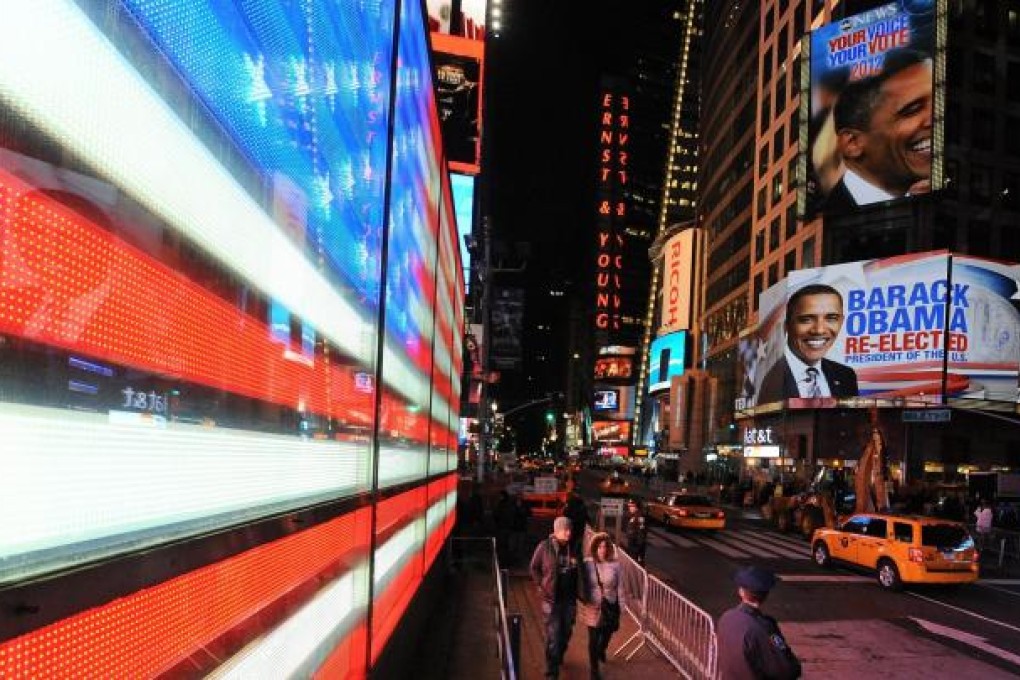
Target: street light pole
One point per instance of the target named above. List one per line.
(484, 416)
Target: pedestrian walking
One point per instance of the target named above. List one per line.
(555, 570)
(601, 613)
(750, 644)
(983, 516)
(636, 532)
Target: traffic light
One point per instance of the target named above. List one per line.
(550, 417)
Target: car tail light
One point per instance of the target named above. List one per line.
(719, 515)
(682, 513)
(916, 555)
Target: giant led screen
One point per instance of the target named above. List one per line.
(893, 332)
(666, 358)
(872, 99)
(210, 185)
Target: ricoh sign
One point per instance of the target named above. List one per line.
(676, 283)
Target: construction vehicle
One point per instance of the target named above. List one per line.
(829, 496)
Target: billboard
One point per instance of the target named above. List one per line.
(881, 329)
(459, 72)
(614, 368)
(610, 430)
(870, 129)
(677, 275)
(666, 359)
(507, 317)
(606, 400)
(462, 187)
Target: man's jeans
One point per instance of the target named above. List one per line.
(559, 623)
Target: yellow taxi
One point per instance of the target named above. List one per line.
(900, 549)
(686, 511)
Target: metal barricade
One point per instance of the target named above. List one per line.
(676, 627)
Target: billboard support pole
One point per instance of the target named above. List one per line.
(945, 328)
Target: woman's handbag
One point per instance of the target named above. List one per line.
(609, 612)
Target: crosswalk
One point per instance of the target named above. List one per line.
(735, 543)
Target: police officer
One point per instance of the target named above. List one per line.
(751, 645)
(635, 532)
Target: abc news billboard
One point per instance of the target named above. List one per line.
(870, 123)
(877, 332)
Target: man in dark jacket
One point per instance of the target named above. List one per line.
(554, 569)
(577, 513)
(751, 646)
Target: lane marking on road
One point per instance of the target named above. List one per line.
(676, 540)
(822, 578)
(800, 553)
(787, 540)
(723, 548)
(748, 546)
(967, 638)
(1001, 581)
(997, 589)
(967, 611)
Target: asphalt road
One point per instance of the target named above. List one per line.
(839, 621)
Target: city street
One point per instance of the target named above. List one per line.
(838, 621)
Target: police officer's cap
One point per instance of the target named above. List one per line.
(755, 579)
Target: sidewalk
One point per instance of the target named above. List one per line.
(460, 642)
(524, 599)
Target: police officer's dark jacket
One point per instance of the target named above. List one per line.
(752, 647)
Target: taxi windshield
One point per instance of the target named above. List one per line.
(691, 500)
(945, 536)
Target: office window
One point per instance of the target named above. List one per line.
(791, 170)
(777, 187)
(762, 205)
(982, 129)
(979, 238)
(952, 124)
(791, 220)
(763, 160)
(781, 93)
(983, 73)
(807, 254)
(980, 183)
(790, 262)
(769, 22)
(783, 48)
(774, 233)
(773, 274)
(766, 111)
(759, 245)
(779, 142)
(1013, 139)
(766, 67)
(756, 291)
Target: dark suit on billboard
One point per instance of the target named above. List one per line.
(780, 383)
(839, 200)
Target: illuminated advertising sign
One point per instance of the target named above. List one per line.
(459, 73)
(463, 189)
(614, 368)
(614, 137)
(610, 430)
(870, 132)
(676, 282)
(881, 329)
(665, 360)
(606, 400)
